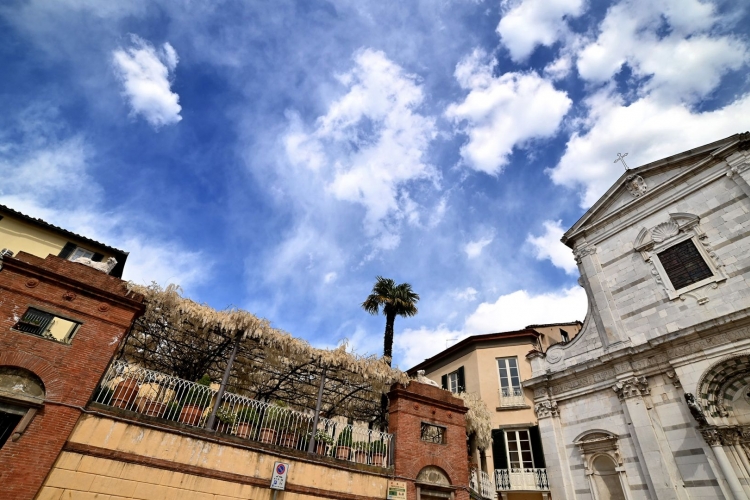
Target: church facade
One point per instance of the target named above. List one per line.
(651, 400)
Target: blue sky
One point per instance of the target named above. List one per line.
(277, 156)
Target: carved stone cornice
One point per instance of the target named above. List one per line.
(723, 436)
(582, 251)
(546, 409)
(729, 436)
(631, 387)
(712, 436)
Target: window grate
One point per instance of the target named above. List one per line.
(34, 321)
(684, 264)
(432, 433)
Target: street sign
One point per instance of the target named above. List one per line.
(396, 490)
(278, 480)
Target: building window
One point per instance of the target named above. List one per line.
(71, 251)
(564, 335)
(519, 459)
(46, 325)
(432, 433)
(519, 449)
(684, 265)
(455, 381)
(510, 380)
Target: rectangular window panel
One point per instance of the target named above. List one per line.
(453, 382)
(46, 325)
(519, 450)
(684, 264)
(510, 380)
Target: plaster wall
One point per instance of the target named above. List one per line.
(106, 458)
(17, 235)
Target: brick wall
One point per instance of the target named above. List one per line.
(69, 372)
(417, 403)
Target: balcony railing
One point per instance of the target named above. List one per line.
(511, 396)
(481, 482)
(170, 398)
(529, 479)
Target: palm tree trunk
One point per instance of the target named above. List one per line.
(390, 318)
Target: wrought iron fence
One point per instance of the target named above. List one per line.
(521, 479)
(155, 394)
(511, 396)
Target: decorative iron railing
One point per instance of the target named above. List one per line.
(529, 479)
(481, 483)
(511, 396)
(170, 398)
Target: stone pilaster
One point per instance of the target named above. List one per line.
(658, 465)
(601, 302)
(555, 454)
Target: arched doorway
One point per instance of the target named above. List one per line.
(433, 484)
(21, 393)
(722, 408)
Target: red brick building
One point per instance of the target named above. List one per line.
(60, 325)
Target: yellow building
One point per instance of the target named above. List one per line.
(19, 232)
(494, 366)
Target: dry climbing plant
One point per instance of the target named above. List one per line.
(180, 337)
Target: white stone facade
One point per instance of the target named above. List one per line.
(652, 399)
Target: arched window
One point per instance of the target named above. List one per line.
(21, 393)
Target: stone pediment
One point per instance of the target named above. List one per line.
(637, 186)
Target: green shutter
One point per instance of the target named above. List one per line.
(461, 380)
(499, 454)
(444, 382)
(97, 257)
(67, 250)
(536, 447)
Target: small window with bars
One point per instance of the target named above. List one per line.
(684, 264)
(46, 325)
(432, 433)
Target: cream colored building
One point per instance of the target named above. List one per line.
(37, 237)
(494, 366)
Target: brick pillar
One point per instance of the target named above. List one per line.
(69, 372)
(410, 407)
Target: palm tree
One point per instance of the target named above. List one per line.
(397, 300)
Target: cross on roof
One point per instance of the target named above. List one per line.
(621, 157)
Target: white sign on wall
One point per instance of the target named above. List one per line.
(278, 480)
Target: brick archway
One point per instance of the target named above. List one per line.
(47, 373)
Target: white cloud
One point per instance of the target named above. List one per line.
(647, 130)
(536, 22)
(474, 248)
(144, 72)
(370, 145)
(50, 179)
(631, 34)
(503, 112)
(549, 246)
(330, 277)
(469, 294)
(509, 312)
(413, 346)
